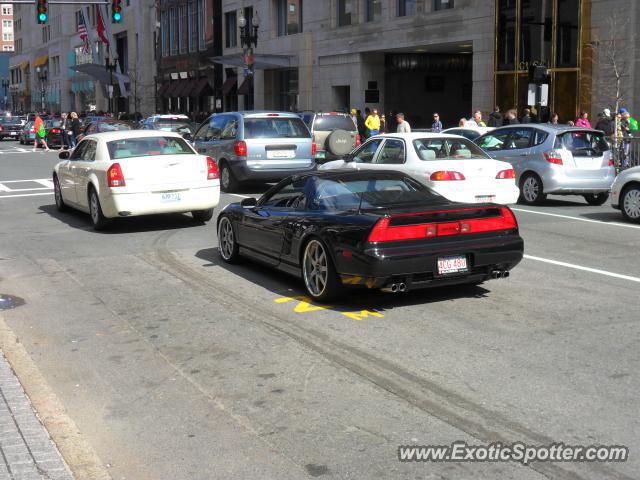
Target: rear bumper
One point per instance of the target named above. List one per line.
(506, 193)
(592, 181)
(243, 172)
(416, 265)
(115, 204)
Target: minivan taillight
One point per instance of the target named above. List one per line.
(506, 174)
(358, 141)
(384, 231)
(446, 175)
(115, 178)
(212, 169)
(240, 148)
(314, 147)
(553, 157)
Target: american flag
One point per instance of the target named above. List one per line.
(82, 31)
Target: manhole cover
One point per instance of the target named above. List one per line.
(7, 302)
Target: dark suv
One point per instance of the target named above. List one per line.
(335, 134)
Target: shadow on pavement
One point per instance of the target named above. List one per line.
(608, 216)
(356, 299)
(149, 223)
(556, 202)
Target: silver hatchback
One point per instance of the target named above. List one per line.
(256, 146)
(554, 159)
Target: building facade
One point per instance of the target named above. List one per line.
(6, 27)
(53, 70)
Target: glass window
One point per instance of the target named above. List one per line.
(164, 22)
(447, 148)
(345, 12)
(536, 31)
(539, 137)
(79, 150)
(520, 138)
(274, 127)
(114, 126)
(182, 28)
(289, 14)
(367, 152)
(173, 31)
(201, 25)
(193, 26)
(506, 34)
(89, 153)
(442, 4)
(231, 29)
(407, 7)
(287, 81)
(495, 141)
(291, 195)
(568, 28)
(216, 125)
(374, 10)
(230, 130)
(148, 147)
(584, 144)
(334, 122)
(392, 153)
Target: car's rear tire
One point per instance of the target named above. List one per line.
(57, 192)
(98, 220)
(318, 273)
(228, 181)
(531, 190)
(227, 245)
(630, 203)
(596, 199)
(203, 215)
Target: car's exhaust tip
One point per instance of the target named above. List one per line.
(500, 274)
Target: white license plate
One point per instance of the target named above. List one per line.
(450, 265)
(485, 198)
(13, 134)
(280, 154)
(172, 197)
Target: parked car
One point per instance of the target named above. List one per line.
(131, 173)
(625, 194)
(470, 133)
(155, 121)
(551, 159)
(54, 132)
(256, 146)
(106, 125)
(182, 128)
(376, 229)
(335, 134)
(27, 134)
(452, 166)
(10, 127)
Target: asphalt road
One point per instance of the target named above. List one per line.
(176, 366)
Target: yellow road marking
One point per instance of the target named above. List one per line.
(362, 314)
(304, 305)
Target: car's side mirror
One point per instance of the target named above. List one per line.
(64, 155)
(249, 202)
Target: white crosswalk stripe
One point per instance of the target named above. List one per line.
(25, 188)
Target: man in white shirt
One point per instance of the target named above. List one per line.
(403, 125)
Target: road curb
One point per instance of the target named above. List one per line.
(75, 449)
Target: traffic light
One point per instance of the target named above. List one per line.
(41, 11)
(116, 11)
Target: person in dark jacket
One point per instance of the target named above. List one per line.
(495, 118)
(605, 123)
(362, 130)
(510, 118)
(76, 129)
(526, 117)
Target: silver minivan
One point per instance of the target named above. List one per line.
(256, 146)
(554, 159)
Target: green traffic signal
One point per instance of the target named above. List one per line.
(42, 17)
(117, 16)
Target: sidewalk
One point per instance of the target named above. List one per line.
(26, 451)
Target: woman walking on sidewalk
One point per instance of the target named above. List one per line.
(75, 129)
(38, 128)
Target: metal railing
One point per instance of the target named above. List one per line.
(627, 154)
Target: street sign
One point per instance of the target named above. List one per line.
(533, 91)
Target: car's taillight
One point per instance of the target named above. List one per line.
(212, 169)
(358, 141)
(446, 175)
(55, 130)
(553, 157)
(314, 147)
(115, 178)
(506, 174)
(383, 231)
(240, 148)
(611, 162)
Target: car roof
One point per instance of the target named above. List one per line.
(259, 114)
(416, 135)
(124, 134)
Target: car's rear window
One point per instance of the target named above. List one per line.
(582, 144)
(333, 122)
(52, 124)
(283, 127)
(148, 147)
(447, 149)
(114, 126)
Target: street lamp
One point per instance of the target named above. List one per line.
(249, 40)
(111, 65)
(42, 75)
(5, 85)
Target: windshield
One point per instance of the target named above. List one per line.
(344, 194)
(447, 149)
(334, 122)
(275, 128)
(147, 147)
(583, 144)
(52, 124)
(175, 127)
(114, 126)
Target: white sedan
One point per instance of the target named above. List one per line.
(625, 194)
(130, 173)
(453, 166)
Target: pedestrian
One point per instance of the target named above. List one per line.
(511, 118)
(65, 131)
(570, 123)
(583, 120)
(626, 132)
(605, 122)
(373, 123)
(362, 129)
(354, 116)
(436, 126)
(403, 125)
(477, 117)
(462, 122)
(553, 120)
(383, 124)
(75, 129)
(392, 122)
(526, 117)
(495, 118)
(40, 133)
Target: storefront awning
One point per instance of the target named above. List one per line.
(163, 89)
(41, 60)
(171, 89)
(229, 85)
(183, 89)
(24, 65)
(99, 72)
(245, 88)
(202, 88)
(260, 62)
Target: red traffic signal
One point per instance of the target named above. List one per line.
(116, 11)
(41, 11)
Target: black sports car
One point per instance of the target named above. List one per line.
(377, 229)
